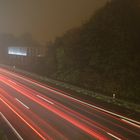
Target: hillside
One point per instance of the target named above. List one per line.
(103, 54)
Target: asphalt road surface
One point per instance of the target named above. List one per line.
(35, 111)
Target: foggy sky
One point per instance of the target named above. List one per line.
(44, 19)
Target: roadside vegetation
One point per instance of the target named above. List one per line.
(103, 54)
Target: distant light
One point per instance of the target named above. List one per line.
(39, 55)
(17, 51)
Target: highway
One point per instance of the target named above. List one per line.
(35, 111)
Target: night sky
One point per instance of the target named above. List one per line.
(45, 19)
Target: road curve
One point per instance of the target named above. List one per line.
(35, 111)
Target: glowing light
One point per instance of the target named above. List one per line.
(17, 51)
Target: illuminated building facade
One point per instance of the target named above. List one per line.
(22, 56)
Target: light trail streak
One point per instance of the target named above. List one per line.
(54, 90)
(42, 137)
(56, 111)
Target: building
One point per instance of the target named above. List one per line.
(25, 56)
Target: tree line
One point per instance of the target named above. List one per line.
(103, 54)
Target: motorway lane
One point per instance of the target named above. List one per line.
(45, 113)
(60, 121)
(6, 130)
(99, 122)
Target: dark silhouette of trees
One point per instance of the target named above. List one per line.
(103, 54)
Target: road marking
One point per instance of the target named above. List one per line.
(45, 99)
(130, 123)
(22, 103)
(9, 124)
(113, 136)
(101, 109)
(40, 135)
